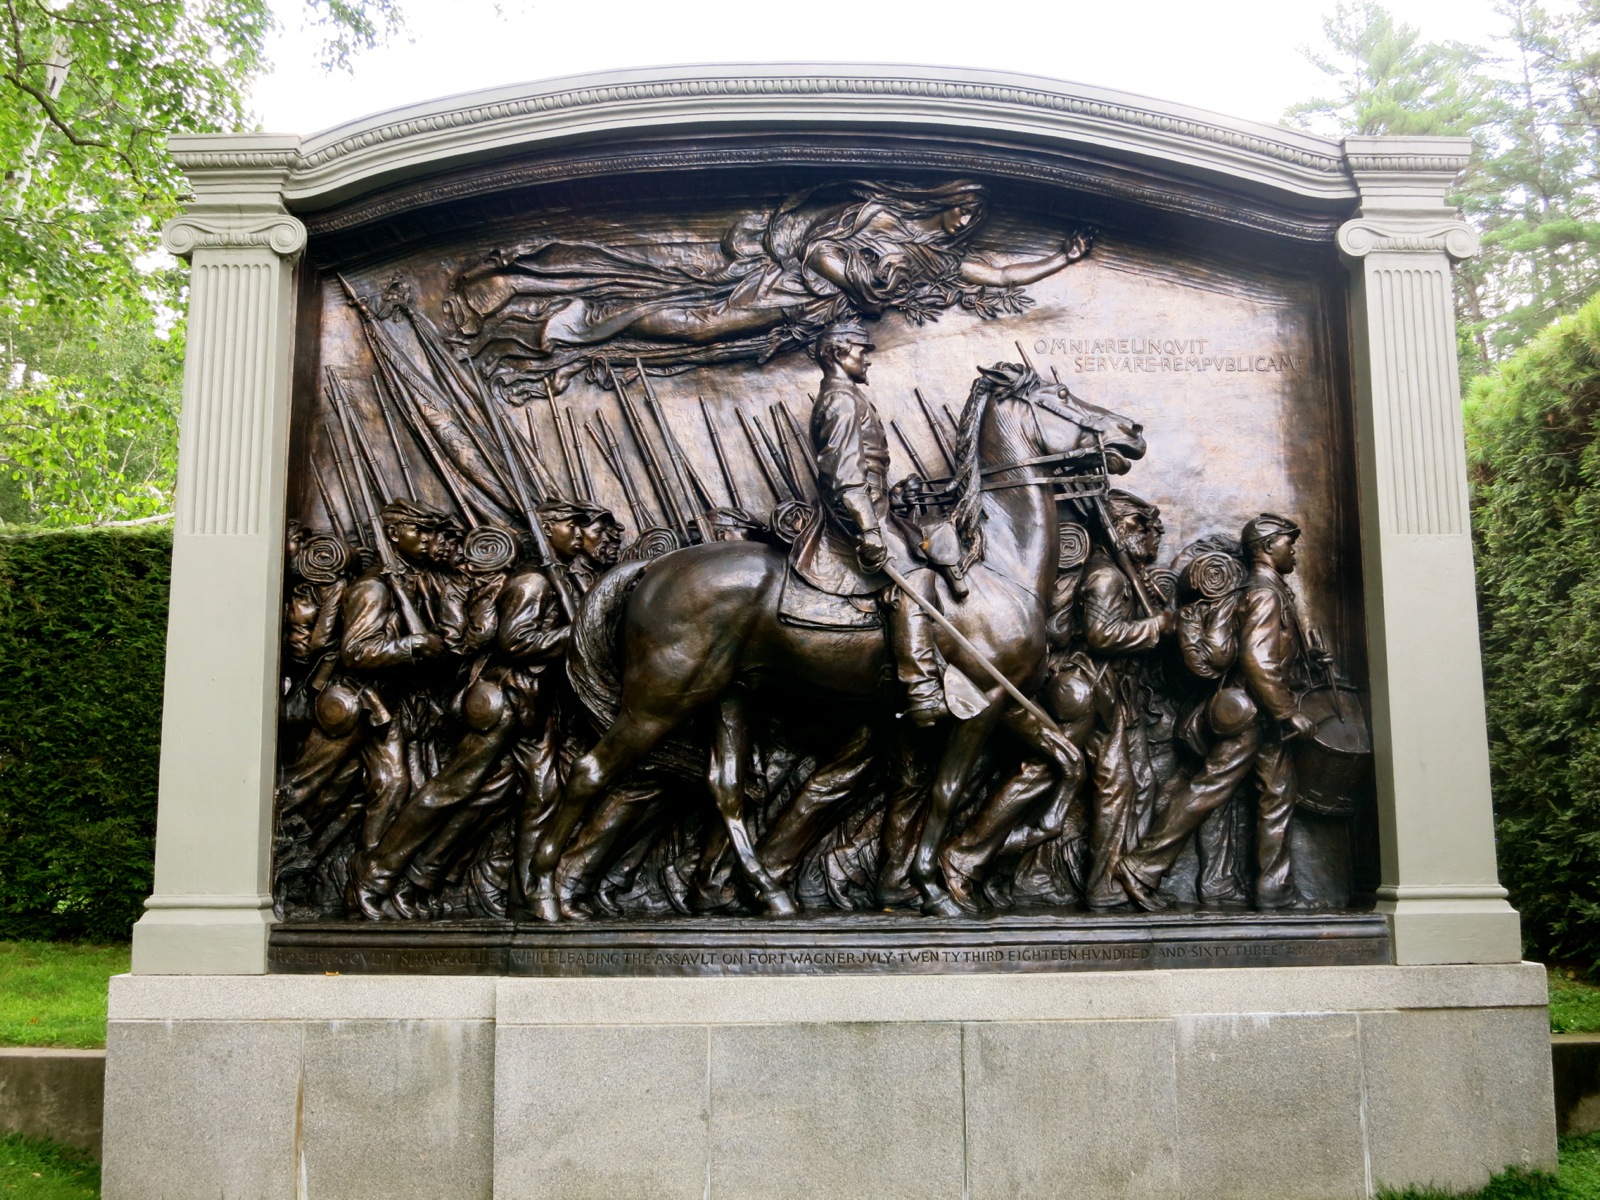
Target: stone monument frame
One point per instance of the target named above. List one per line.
(1355, 1032)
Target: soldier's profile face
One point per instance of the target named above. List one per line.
(853, 362)
(566, 538)
(1281, 551)
(412, 542)
(601, 540)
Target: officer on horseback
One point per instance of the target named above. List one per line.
(843, 548)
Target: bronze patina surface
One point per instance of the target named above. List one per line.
(938, 547)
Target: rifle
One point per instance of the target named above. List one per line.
(555, 418)
(643, 518)
(344, 481)
(755, 450)
(781, 461)
(394, 440)
(1136, 580)
(680, 465)
(939, 434)
(587, 495)
(722, 461)
(335, 521)
(553, 566)
(916, 460)
(647, 455)
(800, 439)
(389, 561)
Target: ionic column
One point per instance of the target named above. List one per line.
(1439, 885)
(212, 903)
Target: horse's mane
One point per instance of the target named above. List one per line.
(996, 382)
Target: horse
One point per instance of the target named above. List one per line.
(706, 618)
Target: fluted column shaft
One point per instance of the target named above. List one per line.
(212, 903)
(1439, 885)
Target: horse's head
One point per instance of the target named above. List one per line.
(1064, 423)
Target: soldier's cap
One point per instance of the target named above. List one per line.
(1123, 503)
(845, 333)
(409, 512)
(577, 513)
(1263, 529)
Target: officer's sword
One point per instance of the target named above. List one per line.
(960, 639)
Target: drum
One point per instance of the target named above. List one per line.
(1333, 765)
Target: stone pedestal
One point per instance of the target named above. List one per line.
(1290, 1083)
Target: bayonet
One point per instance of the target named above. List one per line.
(611, 451)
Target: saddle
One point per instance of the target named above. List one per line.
(810, 607)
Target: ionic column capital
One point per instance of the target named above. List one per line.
(1399, 235)
(281, 233)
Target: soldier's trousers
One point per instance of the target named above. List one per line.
(916, 660)
(1230, 760)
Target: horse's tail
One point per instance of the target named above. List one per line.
(594, 663)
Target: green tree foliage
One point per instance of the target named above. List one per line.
(89, 91)
(1532, 427)
(1531, 102)
(83, 623)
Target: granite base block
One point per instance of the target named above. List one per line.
(1289, 1084)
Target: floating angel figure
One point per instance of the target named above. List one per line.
(772, 283)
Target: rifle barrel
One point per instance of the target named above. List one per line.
(761, 462)
(939, 434)
(647, 455)
(394, 440)
(587, 495)
(916, 460)
(722, 459)
(612, 453)
(680, 465)
(555, 419)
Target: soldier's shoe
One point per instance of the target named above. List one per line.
(925, 703)
(1285, 898)
(1144, 896)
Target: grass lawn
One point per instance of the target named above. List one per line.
(1579, 1179)
(1574, 1004)
(31, 1169)
(54, 994)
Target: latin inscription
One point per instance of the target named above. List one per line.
(1158, 355)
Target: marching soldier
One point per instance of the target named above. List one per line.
(1252, 718)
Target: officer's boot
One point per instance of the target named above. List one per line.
(916, 659)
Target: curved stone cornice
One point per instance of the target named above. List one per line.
(282, 234)
(429, 138)
(1364, 236)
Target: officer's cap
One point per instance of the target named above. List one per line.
(845, 333)
(1263, 529)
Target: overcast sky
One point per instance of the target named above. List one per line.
(1240, 57)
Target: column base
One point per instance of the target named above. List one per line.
(202, 935)
(1470, 923)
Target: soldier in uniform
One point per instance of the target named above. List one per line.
(1252, 719)
(842, 549)
(1119, 634)
(509, 732)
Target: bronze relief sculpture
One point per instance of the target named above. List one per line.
(566, 642)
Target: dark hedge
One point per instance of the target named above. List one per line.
(1535, 463)
(83, 624)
